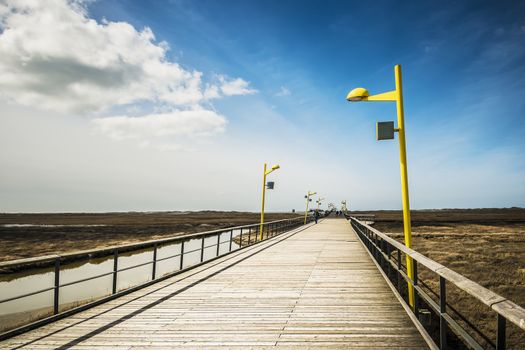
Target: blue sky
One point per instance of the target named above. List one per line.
(464, 80)
(457, 57)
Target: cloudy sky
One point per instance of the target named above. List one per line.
(117, 105)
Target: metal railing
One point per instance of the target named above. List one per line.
(246, 235)
(388, 254)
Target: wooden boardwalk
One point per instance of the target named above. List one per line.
(310, 288)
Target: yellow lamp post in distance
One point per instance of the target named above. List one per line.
(319, 200)
(385, 131)
(265, 173)
(307, 202)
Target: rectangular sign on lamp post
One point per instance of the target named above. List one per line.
(385, 131)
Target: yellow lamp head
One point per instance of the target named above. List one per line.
(275, 167)
(357, 94)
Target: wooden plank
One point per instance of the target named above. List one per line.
(512, 312)
(484, 295)
(312, 288)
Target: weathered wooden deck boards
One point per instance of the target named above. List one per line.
(313, 288)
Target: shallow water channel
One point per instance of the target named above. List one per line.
(22, 311)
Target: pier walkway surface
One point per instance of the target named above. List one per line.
(314, 287)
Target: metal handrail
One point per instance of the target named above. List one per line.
(458, 314)
(271, 229)
(127, 247)
(381, 248)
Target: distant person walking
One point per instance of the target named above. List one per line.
(316, 216)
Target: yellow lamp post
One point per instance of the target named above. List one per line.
(265, 173)
(319, 200)
(385, 131)
(307, 202)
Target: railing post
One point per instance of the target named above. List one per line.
(385, 259)
(181, 255)
(399, 270)
(376, 249)
(389, 254)
(501, 341)
(218, 242)
(240, 239)
(416, 296)
(381, 256)
(379, 250)
(231, 239)
(115, 270)
(154, 268)
(202, 248)
(57, 286)
(442, 312)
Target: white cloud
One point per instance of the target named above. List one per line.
(231, 87)
(283, 91)
(162, 127)
(54, 57)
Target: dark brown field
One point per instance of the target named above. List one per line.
(107, 229)
(485, 245)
